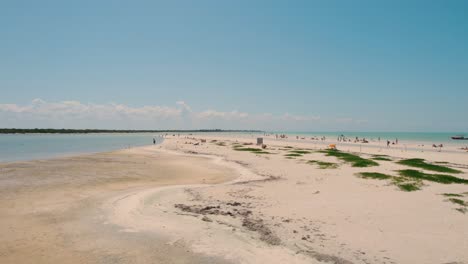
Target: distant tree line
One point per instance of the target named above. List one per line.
(88, 131)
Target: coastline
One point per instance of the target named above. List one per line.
(189, 201)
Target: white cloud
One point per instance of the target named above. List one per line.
(210, 114)
(75, 114)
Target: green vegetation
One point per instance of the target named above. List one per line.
(440, 178)
(382, 158)
(300, 151)
(420, 163)
(463, 205)
(452, 195)
(293, 155)
(374, 175)
(408, 187)
(323, 164)
(253, 150)
(458, 201)
(355, 160)
(288, 147)
(407, 184)
(404, 184)
(222, 144)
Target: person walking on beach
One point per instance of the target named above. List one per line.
(154, 141)
(388, 143)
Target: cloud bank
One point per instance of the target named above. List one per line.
(74, 114)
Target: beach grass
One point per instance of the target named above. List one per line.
(408, 187)
(458, 201)
(374, 175)
(324, 164)
(253, 150)
(420, 163)
(381, 158)
(299, 151)
(452, 195)
(407, 184)
(440, 178)
(293, 155)
(355, 160)
(404, 184)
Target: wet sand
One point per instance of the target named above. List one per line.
(51, 210)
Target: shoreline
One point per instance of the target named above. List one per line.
(404, 145)
(192, 201)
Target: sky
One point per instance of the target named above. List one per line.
(269, 65)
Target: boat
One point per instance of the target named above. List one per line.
(459, 137)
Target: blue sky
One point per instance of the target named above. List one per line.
(281, 65)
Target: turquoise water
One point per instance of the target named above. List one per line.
(40, 146)
(433, 137)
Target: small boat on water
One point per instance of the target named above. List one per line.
(459, 137)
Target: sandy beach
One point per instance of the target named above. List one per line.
(222, 199)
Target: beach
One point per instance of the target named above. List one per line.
(220, 198)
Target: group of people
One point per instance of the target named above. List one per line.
(281, 136)
(393, 143)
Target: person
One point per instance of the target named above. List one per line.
(396, 141)
(154, 141)
(388, 143)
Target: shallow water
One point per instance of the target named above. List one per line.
(14, 147)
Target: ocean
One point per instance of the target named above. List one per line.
(17, 147)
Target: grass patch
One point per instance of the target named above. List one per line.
(222, 144)
(253, 150)
(462, 210)
(374, 175)
(440, 178)
(288, 147)
(300, 151)
(457, 201)
(355, 160)
(407, 184)
(404, 184)
(324, 164)
(408, 187)
(381, 158)
(293, 155)
(452, 195)
(420, 163)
